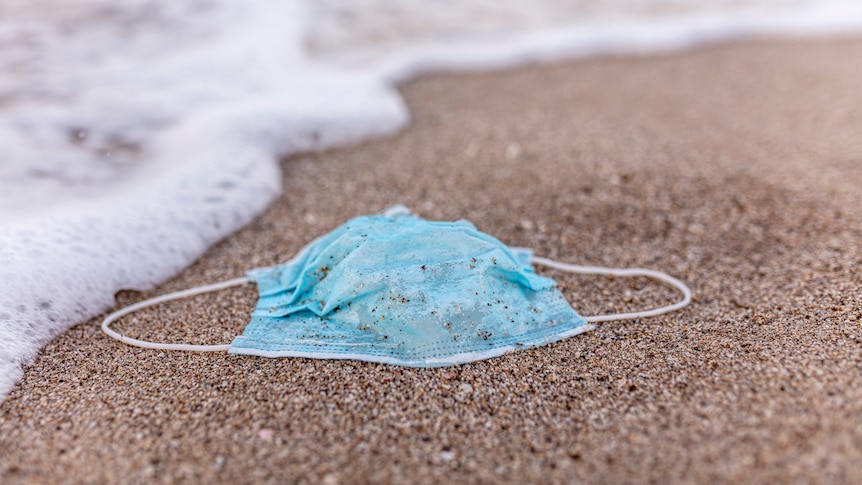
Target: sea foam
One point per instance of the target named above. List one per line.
(135, 134)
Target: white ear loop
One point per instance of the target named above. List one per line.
(161, 299)
(199, 290)
(598, 270)
(571, 268)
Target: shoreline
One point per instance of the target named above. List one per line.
(732, 167)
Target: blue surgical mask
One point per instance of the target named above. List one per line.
(397, 289)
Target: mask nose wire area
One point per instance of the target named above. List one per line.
(598, 270)
(161, 299)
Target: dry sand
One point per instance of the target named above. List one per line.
(736, 168)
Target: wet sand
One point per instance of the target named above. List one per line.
(736, 168)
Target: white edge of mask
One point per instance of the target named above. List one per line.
(454, 359)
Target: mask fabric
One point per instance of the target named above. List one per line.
(402, 290)
(397, 289)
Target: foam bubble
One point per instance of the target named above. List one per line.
(136, 134)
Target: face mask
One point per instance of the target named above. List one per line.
(396, 289)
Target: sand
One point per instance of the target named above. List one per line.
(736, 168)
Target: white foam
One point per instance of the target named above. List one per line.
(135, 134)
